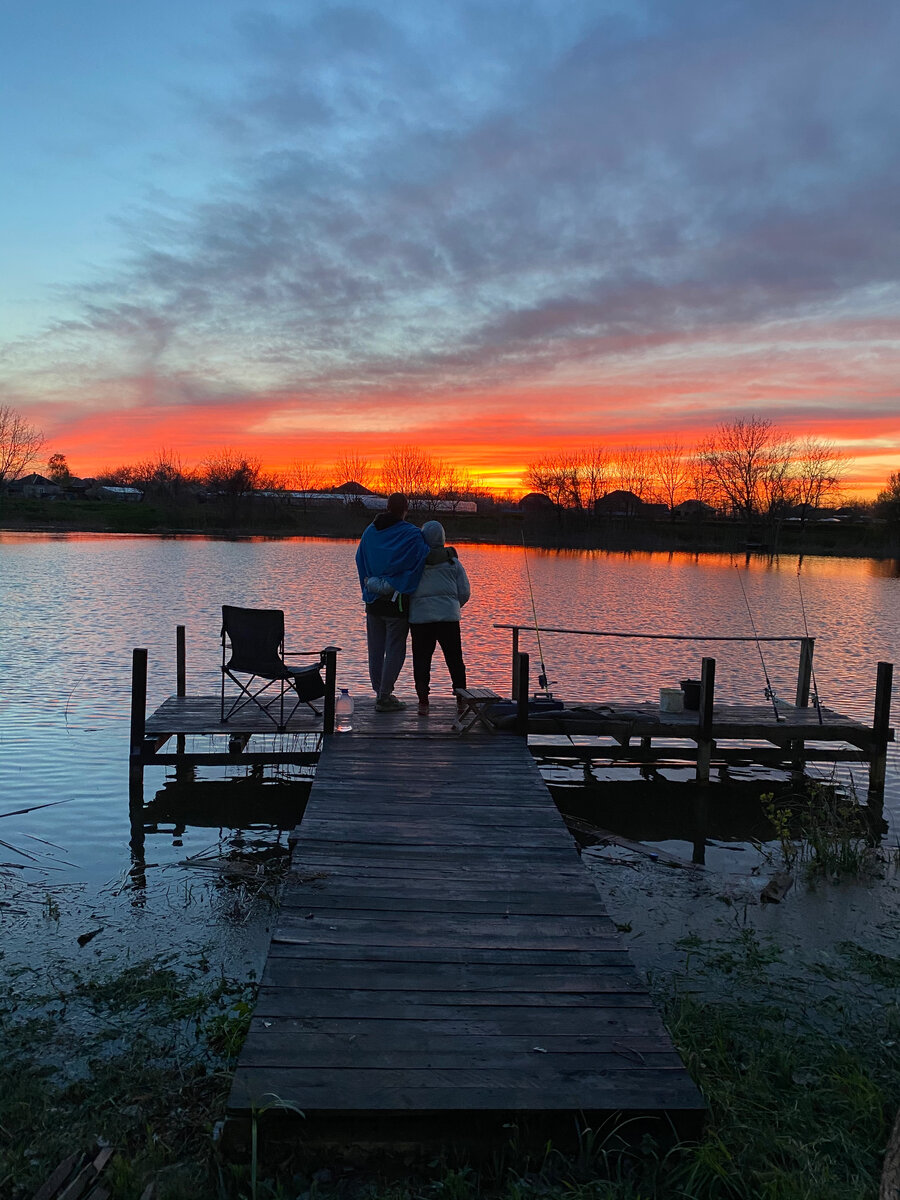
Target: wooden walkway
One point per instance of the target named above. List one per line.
(440, 952)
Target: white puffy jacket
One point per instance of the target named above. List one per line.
(443, 591)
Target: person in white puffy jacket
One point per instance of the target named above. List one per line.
(434, 613)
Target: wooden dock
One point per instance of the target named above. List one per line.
(441, 955)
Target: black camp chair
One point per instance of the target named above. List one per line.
(255, 638)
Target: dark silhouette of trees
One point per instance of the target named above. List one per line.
(354, 467)
(58, 469)
(20, 444)
(229, 473)
(887, 502)
(737, 456)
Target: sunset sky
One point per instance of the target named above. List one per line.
(491, 229)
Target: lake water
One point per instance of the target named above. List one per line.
(74, 606)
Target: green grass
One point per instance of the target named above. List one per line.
(797, 1062)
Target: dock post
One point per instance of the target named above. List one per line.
(522, 695)
(330, 656)
(705, 719)
(515, 662)
(880, 727)
(138, 722)
(804, 671)
(180, 678)
(180, 662)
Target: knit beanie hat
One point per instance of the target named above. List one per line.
(433, 533)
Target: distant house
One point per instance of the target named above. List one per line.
(536, 502)
(619, 503)
(125, 495)
(352, 488)
(651, 511)
(693, 510)
(77, 489)
(34, 487)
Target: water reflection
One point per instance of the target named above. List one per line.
(74, 606)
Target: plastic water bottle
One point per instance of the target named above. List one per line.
(343, 711)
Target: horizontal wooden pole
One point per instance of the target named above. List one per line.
(300, 757)
(657, 637)
(676, 754)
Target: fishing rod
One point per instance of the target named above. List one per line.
(542, 678)
(815, 686)
(770, 691)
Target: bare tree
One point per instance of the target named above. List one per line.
(20, 444)
(777, 477)
(307, 475)
(737, 455)
(163, 477)
(354, 467)
(701, 483)
(632, 471)
(123, 476)
(571, 479)
(672, 469)
(593, 470)
(549, 475)
(818, 474)
(407, 469)
(231, 473)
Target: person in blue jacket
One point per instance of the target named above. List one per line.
(390, 559)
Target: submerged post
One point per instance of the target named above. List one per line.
(180, 662)
(330, 656)
(138, 719)
(881, 725)
(522, 695)
(804, 671)
(705, 719)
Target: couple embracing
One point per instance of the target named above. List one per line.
(411, 583)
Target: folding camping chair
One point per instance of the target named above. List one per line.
(255, 638)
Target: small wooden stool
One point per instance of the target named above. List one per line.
(474, 706)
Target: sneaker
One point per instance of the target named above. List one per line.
(389, 704)
(423, 708)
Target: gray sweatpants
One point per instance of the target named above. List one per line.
(386, 637)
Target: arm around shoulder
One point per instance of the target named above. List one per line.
(463, 587)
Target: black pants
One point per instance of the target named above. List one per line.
(424, 639)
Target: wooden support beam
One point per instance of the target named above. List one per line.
(704, 734)
(522, 695)
(180, 662)
(138, 703)
(253, 758)
(804, 671)
(330, 655)
(515, 662)
(138, 721)
(881, 733)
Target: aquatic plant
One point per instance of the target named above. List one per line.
(823, 830)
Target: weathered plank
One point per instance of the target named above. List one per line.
(437, 929)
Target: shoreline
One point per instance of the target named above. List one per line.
(567, 531)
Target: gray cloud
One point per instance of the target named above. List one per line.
(518, 187)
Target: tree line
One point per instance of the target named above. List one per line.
(746, 467)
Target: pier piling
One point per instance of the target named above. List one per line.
(880, 733)
(705, 741)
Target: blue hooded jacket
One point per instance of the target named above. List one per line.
(393, 549)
